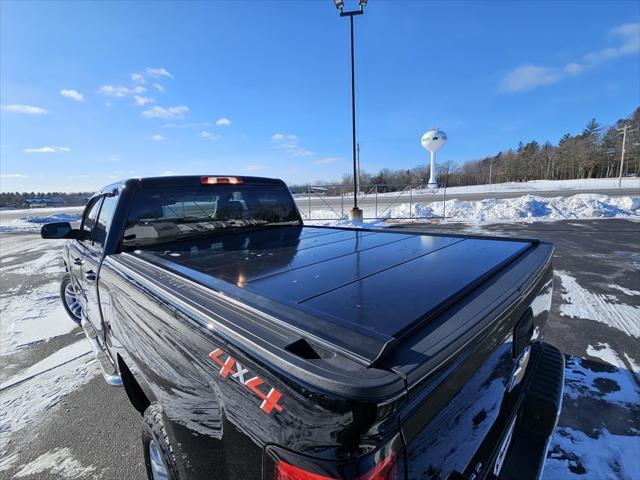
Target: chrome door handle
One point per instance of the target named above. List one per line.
(90, 276)
(77, 261)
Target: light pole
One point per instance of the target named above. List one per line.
(625, 129)
(355, 213)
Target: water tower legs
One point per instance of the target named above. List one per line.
(433, 183)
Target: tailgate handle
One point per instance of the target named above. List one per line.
(522, 333)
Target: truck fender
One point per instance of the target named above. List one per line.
(138, 391)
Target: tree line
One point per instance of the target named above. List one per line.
(593, 153)
(19, 199)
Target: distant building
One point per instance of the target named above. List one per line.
(41, 202)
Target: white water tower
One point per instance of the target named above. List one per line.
(433, 140)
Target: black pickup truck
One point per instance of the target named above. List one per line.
(256, 347)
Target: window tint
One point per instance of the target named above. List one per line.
(104, 220)
(90, 215)
(166, 214)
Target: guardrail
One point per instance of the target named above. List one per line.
(378, 201)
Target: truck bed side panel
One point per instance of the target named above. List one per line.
(170, 349)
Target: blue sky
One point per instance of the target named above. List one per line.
(97, 91)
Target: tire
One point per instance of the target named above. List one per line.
(70, 301)
(159, 458)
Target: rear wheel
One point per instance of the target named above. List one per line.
(158, 455)
(70, 299)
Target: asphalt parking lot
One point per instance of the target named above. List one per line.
(595, 317)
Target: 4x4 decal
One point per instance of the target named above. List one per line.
(269, 400)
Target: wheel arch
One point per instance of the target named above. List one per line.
(136, 394)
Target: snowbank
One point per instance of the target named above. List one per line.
(34, 223)
(527, 208)
(548, 185)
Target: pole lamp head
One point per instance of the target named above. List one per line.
(339, 4)
(362, 3)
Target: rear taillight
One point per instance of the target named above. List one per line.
(385, 468)
(286, 471)
(220, 181)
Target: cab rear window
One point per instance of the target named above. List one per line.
(165, 214)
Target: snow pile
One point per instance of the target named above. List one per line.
(34, 223)
(547, 186)
(527, 208)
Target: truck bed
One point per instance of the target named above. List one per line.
(357, 290)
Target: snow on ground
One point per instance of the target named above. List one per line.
(31, 223)
(64, 355)
(547, 186)
(575, 455)
(624, 290)
(57, 462)
(608, 309)
(30, 272)
(30, 313)
(508, 187)
(527, 208)
(611, 382)
(24, 403)
(32, 317)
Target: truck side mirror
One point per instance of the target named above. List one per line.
(60, 230)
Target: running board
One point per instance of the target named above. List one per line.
(109, 372)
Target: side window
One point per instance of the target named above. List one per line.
(89, 216)
(104, 220)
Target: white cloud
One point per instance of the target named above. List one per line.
(326, 160)
(73, 95)
(573, 68)
(161, 112)
(13, 175)
(120, 91)
(630, 33)
(187, 125)
(158, 138)
(210, 136)
(142, 101)
(528, 77)
(290, 145)
(158, 72)
(254, 168)
(158, 87)
(223, 121)
(167, 173)
(47, 150)
(138, 78)
(28, 109)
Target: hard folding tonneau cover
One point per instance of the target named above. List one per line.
(357, 289)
